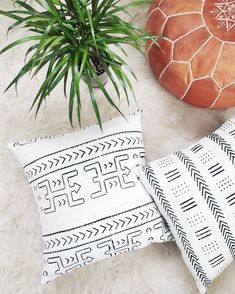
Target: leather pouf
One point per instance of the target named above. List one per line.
(196, 61)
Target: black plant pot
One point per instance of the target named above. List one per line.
(100, 71)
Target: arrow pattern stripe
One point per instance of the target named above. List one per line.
(224, 146)
(210, 200)
(76, 181)
(166, 206)
(83, 153)
(199, 202)
(63, 261)
(76, 237)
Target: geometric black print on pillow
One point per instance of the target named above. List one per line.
(195, 192)
(92, 206)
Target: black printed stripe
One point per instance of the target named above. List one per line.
(232, 133)
(80, 162)
(188, 204)
(203, 233)
(196, 148)
(119, 232)
(231, 199)
(224, 146)
(172, 175)
(188, 249)
(216, 169)
(210, 200)
(80, 145)
(217, 260)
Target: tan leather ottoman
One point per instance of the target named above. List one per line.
(196, 61)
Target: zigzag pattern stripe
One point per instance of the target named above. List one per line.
(210, 200)
(82, 145)
(224, 146)
(81, 153)
(104, 237)
(87, 160)
(192, 257)
(109, 225)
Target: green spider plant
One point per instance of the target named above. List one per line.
(66, 35)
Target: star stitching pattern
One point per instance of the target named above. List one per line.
(225, 14)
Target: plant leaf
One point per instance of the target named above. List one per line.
(18, 42)
(87, 74)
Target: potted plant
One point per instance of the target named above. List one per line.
(72, 38)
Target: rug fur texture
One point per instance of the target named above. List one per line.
(168, 125)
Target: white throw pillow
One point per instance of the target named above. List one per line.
(194, 190)
(91, 205)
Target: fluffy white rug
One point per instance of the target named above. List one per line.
(168, 125)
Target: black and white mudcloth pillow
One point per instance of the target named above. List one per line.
(194, 190)
(91, 204)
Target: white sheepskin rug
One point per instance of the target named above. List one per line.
(168, 125)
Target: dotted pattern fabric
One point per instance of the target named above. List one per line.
(196, 195)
